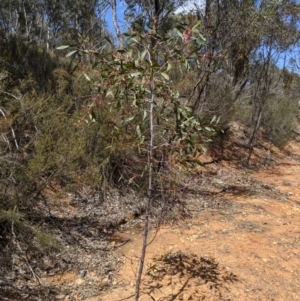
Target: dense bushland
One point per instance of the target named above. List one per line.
(80, 116)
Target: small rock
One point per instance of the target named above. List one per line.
(82, 273)
(79, 281)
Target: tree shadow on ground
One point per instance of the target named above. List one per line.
(185, 274)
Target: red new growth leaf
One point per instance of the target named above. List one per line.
(187, 34)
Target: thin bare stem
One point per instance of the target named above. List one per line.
(150, 175)
(12, 132)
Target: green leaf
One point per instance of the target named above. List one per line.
(82, 52)
(203, 148)
(129, 53)
(186, 65)
(108, 40)
(62, 47)
(179, 32)
(135, 40)
(145, 115)
(200, 43)
(71, 53)
(165, 75)
(86, 77)
(138, 130)
(143, 55)
(142, 139)
(109, 93)
(92, 117)
(129, 118)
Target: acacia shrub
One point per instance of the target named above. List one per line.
(279, 119)
(45, 139)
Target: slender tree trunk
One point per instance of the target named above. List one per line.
(25, 20)
(208, 67)
(17, 24)
(47, 37)
(149, 198)
(254, 132)
(115, 20)
(260, 97)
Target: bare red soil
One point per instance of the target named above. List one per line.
(241, 243)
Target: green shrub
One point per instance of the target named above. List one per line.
(279, 119)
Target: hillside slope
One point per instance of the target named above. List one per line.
(233, 234)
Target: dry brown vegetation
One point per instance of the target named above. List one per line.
(98, 236)
(74, 151)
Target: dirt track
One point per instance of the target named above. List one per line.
(245, 247)
(238, 239)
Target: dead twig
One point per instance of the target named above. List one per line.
(16, 242)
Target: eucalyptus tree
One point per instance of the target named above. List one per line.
(229, 27)
(50, 21)
(279, 33)
(247, 38)
(68, 18)
(115, 21)
(143, 13)
(135, 84)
